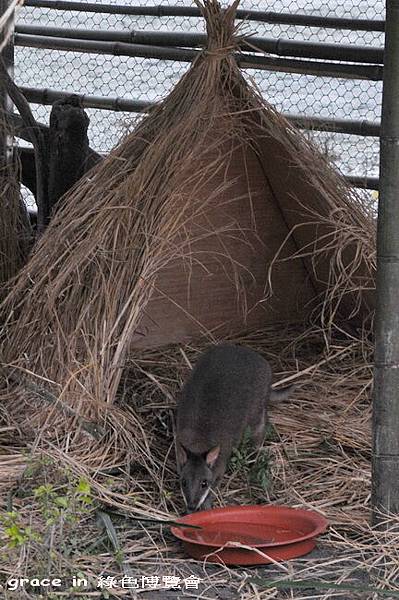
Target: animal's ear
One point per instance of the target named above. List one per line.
(212, 455)
(181, 455)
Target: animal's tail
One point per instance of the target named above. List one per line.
(281, 394)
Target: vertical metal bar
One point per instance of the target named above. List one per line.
(5, 102)
(385, 467)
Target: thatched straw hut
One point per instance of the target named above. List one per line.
(213, 216)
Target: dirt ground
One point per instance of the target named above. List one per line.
(324, 565)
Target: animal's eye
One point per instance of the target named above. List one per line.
(204, 483)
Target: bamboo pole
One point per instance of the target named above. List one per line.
(244, 60)
(363, 182)
(385, 464)
(348, 126)
(279, 47)
(160, 11)
(47, 97)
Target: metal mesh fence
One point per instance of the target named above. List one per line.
(152, 79)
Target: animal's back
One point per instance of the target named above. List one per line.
(227, 386)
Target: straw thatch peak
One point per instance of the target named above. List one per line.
(220, 27)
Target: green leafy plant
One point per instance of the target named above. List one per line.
(16, 533)
(83, 493)
(259, 473)
(70, 506)
(244, 461)
(240, 456)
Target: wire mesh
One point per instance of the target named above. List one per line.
(152, 79)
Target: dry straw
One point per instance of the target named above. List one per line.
(81, 296)
(15, 232)
(69, 318)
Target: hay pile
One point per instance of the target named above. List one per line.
(318, 456)
(15, 232)
(78, 407)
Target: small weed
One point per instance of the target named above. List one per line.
(35, 465)
(16, 533)
(70, 507)
(259, 473)
(119, 556)
(271, 433)
(240, 456)
(244, 461)
(59, 506)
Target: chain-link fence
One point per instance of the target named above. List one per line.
(150, 79)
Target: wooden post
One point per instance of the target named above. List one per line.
(68, 149)
(385, 467)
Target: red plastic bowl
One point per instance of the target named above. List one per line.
(269, 533)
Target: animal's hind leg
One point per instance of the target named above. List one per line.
(258, 432)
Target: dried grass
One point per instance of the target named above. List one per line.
(319, 457)
(74, 307)
(15, 233)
